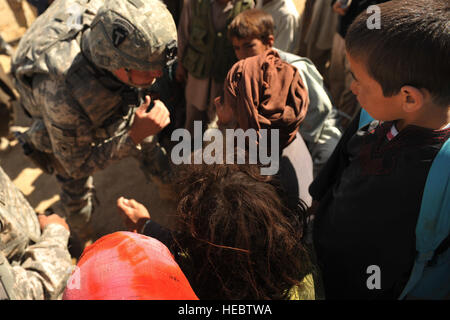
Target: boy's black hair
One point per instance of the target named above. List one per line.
(412, 47)
(252, 23)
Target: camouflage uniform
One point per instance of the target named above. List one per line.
(81, 112)
(33, 265)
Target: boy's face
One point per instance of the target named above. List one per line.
(245, 48)
(370, 94)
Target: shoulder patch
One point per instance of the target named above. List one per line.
(119, 34)
(121, 30)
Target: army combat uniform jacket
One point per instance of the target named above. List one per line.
(33, 265)
(81, 113)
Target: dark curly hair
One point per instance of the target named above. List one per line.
(240, 240)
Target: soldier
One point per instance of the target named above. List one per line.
(82, 69)
(34, 260)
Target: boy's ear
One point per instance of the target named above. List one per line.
(413, 99)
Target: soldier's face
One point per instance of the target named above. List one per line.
(137, 78)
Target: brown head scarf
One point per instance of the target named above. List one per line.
(267, 93)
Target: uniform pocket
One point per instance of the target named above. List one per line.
(63, 141)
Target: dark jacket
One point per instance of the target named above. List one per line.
(355, 8)
(369, 195)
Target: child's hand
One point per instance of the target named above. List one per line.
(134, 213)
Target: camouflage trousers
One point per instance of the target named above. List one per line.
(78, 196)
(156, 165)
(155, 160)
(78, 199)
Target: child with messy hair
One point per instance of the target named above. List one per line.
(369, 193)
(235, 239)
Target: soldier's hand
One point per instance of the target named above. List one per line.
(134, 213)
(149, 123)
(53, 218)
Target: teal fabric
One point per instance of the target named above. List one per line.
(364, 118)
(433, 227)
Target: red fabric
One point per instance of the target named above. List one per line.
(128, 266)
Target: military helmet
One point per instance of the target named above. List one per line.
(133, 34)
